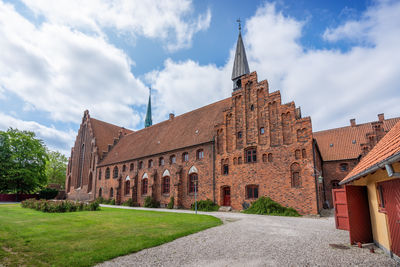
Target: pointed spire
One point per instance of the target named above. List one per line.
(240, 65)
(148, 121)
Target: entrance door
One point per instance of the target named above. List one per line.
(391, 199)
(227, 196)
(340, 205)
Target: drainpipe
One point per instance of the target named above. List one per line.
(315, 177)
(213, 163)
(390, 172)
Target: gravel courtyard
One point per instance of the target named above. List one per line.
(256, 240)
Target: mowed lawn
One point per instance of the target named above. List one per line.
(35, 238)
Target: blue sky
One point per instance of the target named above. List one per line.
(336, 59)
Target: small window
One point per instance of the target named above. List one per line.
(127, 187)
(185, 157)
(144, 186)
(161, 161)
(131, 167)
(150, 163)
(239, 160)
(140, 165)
(344, 167)
(335, 184)
(252, 191)
(108, 173)
(193, 183)
(111, 192)
(262, 130)
(234, 161)
(115, 172)
(303, 153)
(165, 185)
(252, 107)
(172, 159)
(239, 135)
(124, 168)
(264, 157)
(251, 155)
(100, 174)
(297, 154)
(225, 169)
(200, 154)
(270, 158)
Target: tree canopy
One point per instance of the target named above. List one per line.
(22, 162)
(56, 166)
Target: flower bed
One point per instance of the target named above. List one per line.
(59, 206)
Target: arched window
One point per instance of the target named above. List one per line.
(161, 161)
(115, 172)
(295, 175)
(140, 165)
(262, 130)
(69, 184)
(270, 158)
(200, 154)
(251, 155)
(108, 173)
(234, 161)
(89, 189)
(81, 161)
(100, 192)
(303, 153)
(172, 159)
(127, 187)
(297, 154)
(99, 174)
(251, 191)
(239, 160)
(144, 186)
(111, 192)
(124, 168)
(185, 157)
(193, 183)
(150, 163)
(225, 166)
(165, 185)
(264, 157)
(131, 167)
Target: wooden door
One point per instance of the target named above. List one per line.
(340, 205)
(227, 196)
(391, 199)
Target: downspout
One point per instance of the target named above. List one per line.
(390, 172)
(315, 177)
(213, 164)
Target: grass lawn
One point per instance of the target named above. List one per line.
(34, 238)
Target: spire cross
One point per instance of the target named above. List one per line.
(240, 25)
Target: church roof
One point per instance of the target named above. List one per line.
(344, 143)
(387, 148)
(240, 65)
(105, 133)
(189, 129)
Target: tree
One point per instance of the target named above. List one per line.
(23, 160)
(56, 167)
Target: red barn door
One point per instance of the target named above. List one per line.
(340, 205)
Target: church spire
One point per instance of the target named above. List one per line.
(148, 121)
(240, 65)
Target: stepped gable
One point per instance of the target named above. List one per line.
(192, 128)
(388, 146)
(105, 133)
(342, 140)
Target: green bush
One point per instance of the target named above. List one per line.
(205, 205)
(59, 206)
(112, 202)
(130, 203)
(266, 206)
(48, 193)
(149, 202)
(171, 203)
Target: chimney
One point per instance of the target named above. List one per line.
(353, 122)
(381, 117)
(171, 116)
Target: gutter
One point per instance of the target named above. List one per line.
(387, 162)
(315, 176)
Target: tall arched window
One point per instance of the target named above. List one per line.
(115, 172)
(295, 175)
(100, 192)
(108, 173)
(185, 157)
(89, 189)
(144, 186)
(99, 174)
(193, 182)
(111, 192)
(165, 185)
(127, 187)
(69, 184)
(131, 167)
(80, 170)
(200, 154)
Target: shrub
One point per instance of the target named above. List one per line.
(205, 205)
(112, 202)
(59, 206)
(171, 203)
(130, 203)
(48, 193)
(149, 202)
(266, 206)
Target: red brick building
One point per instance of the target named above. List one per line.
(232, 152)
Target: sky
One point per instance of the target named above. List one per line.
(336, 59)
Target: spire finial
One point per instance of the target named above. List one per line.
(148, 121)
(240, 25)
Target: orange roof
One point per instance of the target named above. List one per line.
(192, 128)
(105, 133)
(386, 148)
(344, 143)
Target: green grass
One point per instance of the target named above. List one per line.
(34, 238)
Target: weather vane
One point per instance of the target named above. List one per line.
(240, 25)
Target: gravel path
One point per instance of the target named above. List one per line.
(255, 240)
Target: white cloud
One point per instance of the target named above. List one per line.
(54, 139)
(170, 21)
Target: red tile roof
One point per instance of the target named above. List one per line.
(338, 143)
(387, 147)
(192, 128)
(105, 133)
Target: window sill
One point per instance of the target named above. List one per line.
(165, 194)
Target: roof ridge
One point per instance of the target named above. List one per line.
(91, 118)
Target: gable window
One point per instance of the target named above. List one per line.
(140, 165)
(225, 169)
(252, 107)
(100, 174)
(144, 186)
(108, 173)
(193, 182)
(165, 185)
(344, 167)
(251, 155)
(234, 161)
(185, 157)
(127, 187)
(150, 163)
(262, 130)
(172, 159)
(252, 191)
(124, 168)
(270, 158)
(200, 154)
(131, 167)
(303, 153)
(264, 157)
(161, 161)
(239, 135)
(115, 172)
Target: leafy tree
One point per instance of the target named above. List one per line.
(22, 162)
(56, 166)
